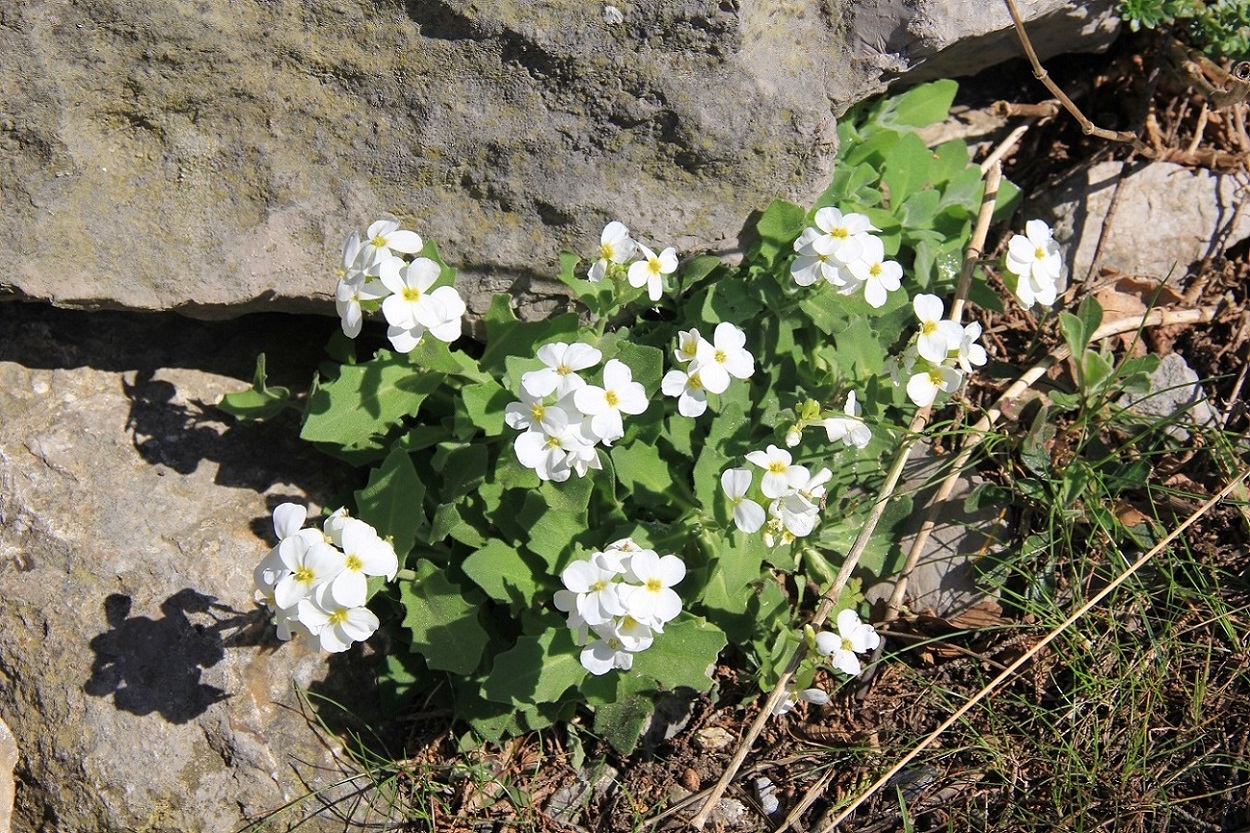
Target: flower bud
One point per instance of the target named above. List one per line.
(793, 436)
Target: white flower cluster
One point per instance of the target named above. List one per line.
(942, 355)
(316, 580)
(842, 250)
(563, 417)
(709, 367)
(375, 273)
(624, 597)
(1036, 264)
(616, 248)
(795, 496)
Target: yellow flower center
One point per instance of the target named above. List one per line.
(839, 233)
(654, 585)
(304, 575)
(694, 382)
(553, 442)
(606, 250)
(1039, 253)
(412, 294)
(720, 356)
(875, 270)
(563, 370)
(777, 467)
(612, 399)
(928, 327)
(354, 563)
(847, 645)
(378, 242)
(598, 585)
(653, 266)
(537, 412)
(935, 376)
(338, 617)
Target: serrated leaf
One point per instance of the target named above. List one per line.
(621, 723)
(392, 501)
(906, 169)
(366, 401)
(646, 364)
(463, 468)
(486, 403)
(444, 620)
(644, 472)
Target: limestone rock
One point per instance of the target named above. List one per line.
(8, 760)
(1167, 217)
(144, 689)
(209, 156)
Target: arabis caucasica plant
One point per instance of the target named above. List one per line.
(723, 426)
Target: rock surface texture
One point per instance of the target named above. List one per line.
(209, 156)
(1167, 217)
(143, 687)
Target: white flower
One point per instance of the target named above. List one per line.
(923, 387)
(1037, 262)
(812, 264)
(650, 271)
(411, 303)
(938, 336)
(605, 653)
(689, 390)
(748, 515)
(843, 234)
(879, 276)
(531, 414)
(312, 563)
(546, 448)
(971, 353)
(365, 554)
(650, 598)
(604, 405)
(850, 429)
(384, 237)
(807, 695)
(348, 295)
(615, 246)
(853, 637)
(288, 519)
(560, 374)
(334, 524)
(900, 366)
(336, 625)
(797, 515)
(592, 589)
(779, 476)
(688, 342)
(724, 356)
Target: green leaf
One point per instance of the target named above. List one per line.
(503, 572)
(684, 654)
(436, 356)
(463, 469)
(444, 620)
(881, 556)
(726, 439)
(538, 669)
(366, 401)
(920, 106)
(736, 566)
(698, 269)
(449, 523)
(646, 364)
(621, 723)
(778, 226)
(906, 169)
(644, 472)
(508, 336)
(485, 403)
(257, 402)
(920, 209)
(393, 501)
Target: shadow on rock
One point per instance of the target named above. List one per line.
(155, 665)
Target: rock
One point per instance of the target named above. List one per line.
(1175, 398)
(944, 579)
(143, 687)
(587, 787)
(8, 760)
(1166, 218)
(209, 156)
